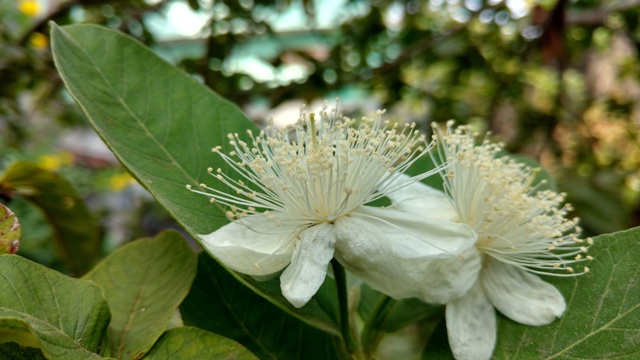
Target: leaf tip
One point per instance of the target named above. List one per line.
(54, 27)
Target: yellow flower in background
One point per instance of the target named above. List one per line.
(55, 161)
(39, 41)
(118, 182)
(29, 7)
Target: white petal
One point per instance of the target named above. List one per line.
(311, 256)
(442, 280)
(471, 325)
(521, 296)
(388, 249)
(419, 236)
(246, 246)
(369, 255)
(420, 199)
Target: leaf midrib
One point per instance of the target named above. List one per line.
(131, 113)
(604, 326)
(132, 314)
(32, 319)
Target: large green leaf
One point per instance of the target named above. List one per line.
(189, 343)
(218, 303)
(67, 316)
(602, 320)
(158, 121)
(144, 282)
(9, 231)
(321, 311)
(161, 124)
(76, 231)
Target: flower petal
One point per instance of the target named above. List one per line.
(521, 296)
(367, 253)
(311, 256)
(420, 199)
(389, 250)
(416, 236)
(442, 280)
(471, 325)
(245, 248)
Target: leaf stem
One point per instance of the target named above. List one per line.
(343, 302)
(371, 329)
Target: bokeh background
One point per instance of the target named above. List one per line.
(558, 81)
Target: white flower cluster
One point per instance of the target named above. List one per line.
(299, 198)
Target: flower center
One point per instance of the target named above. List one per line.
(516, 222)
(315, 171)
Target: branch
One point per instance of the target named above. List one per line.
(598, 16)
(40, 25)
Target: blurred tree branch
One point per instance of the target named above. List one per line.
(599, 16)
(64, 8)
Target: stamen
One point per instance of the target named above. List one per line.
(517, 222)
(317, 170)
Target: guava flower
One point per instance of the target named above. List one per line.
(298, 198)
(523, 231)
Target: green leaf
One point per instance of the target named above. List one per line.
(76, 231)
(158, 121)
(144, 282)
(220, 304)
(67, 316)
(161, 124)
(188, 343)
(320, 312)
(11, 350)
(9, 231)
(602, 320)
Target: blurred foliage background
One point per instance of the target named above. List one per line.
(558, 81)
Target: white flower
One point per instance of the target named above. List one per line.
(298, 197)
(522, 231)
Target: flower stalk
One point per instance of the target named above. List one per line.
(371, 330)
(343, 303)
